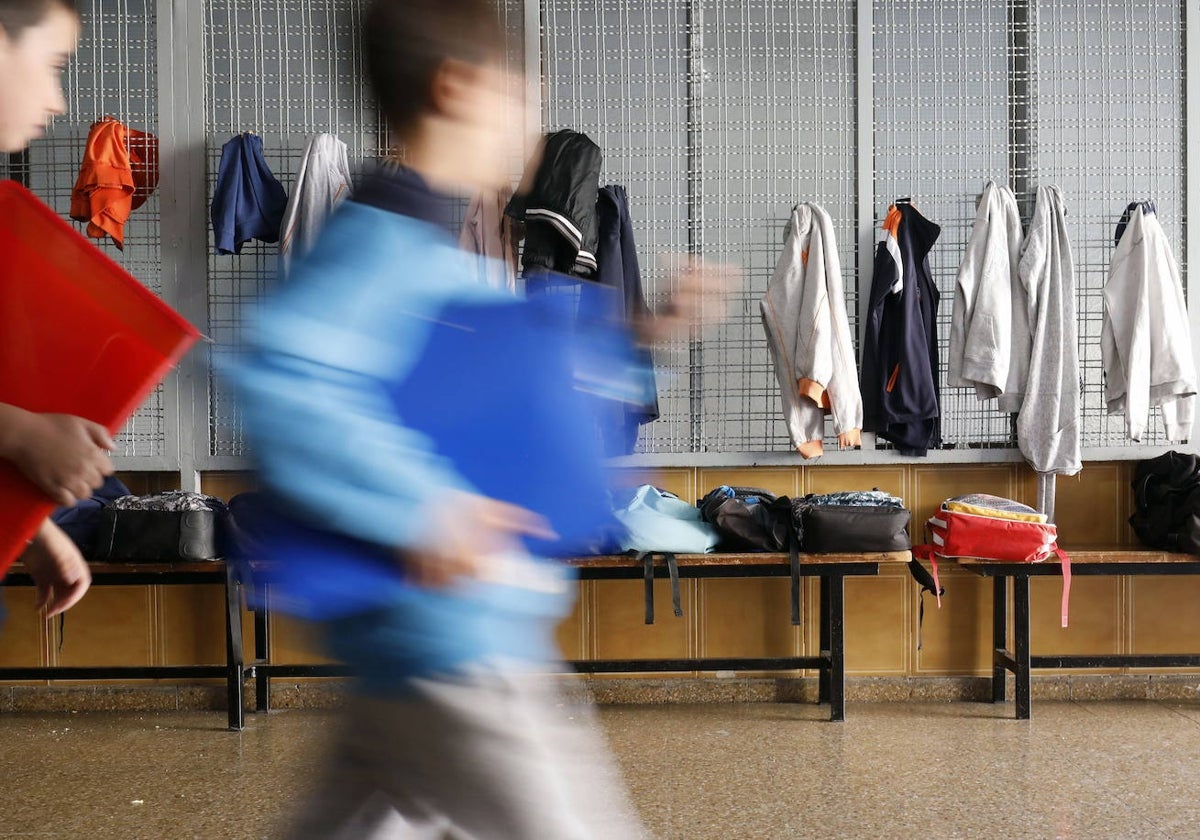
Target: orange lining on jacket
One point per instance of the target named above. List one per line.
(815, 391)
(892, 380)
(892, 223)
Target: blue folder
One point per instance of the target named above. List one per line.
(511, 393)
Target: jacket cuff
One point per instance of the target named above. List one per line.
(814, 391)
(812, 448)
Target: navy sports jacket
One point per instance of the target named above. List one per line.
(900, 356)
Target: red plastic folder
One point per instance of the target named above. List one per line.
(78, 335)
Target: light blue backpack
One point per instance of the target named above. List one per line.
(658, 521)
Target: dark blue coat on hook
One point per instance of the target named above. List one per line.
(900, 355)
(248, 202)
(617, 257)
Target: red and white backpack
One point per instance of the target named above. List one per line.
(993, 528)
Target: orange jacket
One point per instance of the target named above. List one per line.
(119, 171)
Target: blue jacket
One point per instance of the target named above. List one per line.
(899, 379)
(324, 359)
(248, 202)
(619, 268)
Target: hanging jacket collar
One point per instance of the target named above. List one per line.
(1148, 208)
(921, 232)
(398, 189)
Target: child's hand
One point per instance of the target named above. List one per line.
(463, 531)
(65, 456)
(59, 570)
(701, 292)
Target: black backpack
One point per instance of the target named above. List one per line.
(748, 518)
(1166, 502)
(82, 520)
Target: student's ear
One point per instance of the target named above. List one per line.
(455, 90)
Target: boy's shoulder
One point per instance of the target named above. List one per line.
(368, 264)
(365, 244)
(358, 231)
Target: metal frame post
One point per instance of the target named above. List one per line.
(1191, 244)
(999, 636)
(695, 221)
(182, 202)
(865, 169)
(1021, 643)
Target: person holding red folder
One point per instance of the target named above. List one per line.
(65, 456)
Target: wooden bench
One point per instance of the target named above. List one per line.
(1084, 562)
(832, 569)
(157, 574)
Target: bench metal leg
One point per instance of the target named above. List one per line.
(837, 648)
(1021, 643)
(262, 656)
(999, 636)
(823, 644)
(234, 658)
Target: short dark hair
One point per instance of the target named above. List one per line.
(406, 41)
(18, 15)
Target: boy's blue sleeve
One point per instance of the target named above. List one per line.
(314, 391)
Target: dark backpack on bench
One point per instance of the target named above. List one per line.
(748, 519)
(1166, 502)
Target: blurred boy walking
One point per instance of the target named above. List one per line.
(448, 733)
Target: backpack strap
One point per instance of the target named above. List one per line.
(794, 562)
(673, 571)
(646, 558)
(926, 580)
(1065, 559)
(928, 583)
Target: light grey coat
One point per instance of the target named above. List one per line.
(989, 329)
(322, 183)
(808, 331)
(1145, 338)
(1048, 426)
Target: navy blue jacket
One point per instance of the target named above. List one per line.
(900, 356)
(248, 202)
(617, 257)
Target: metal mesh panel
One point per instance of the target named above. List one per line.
(777, 126)
(942, 112)
(717, 117)
(1083, 95)
(1109, 131)
(618, 72)
(113, 74)
(284, 69)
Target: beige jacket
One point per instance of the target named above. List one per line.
(804, 314)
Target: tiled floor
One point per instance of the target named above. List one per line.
(892, 770)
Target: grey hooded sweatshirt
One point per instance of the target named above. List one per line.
(322, 183)
(804, 314)
(989, 330)
(1048, 424)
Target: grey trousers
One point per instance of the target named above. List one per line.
(494, 755)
